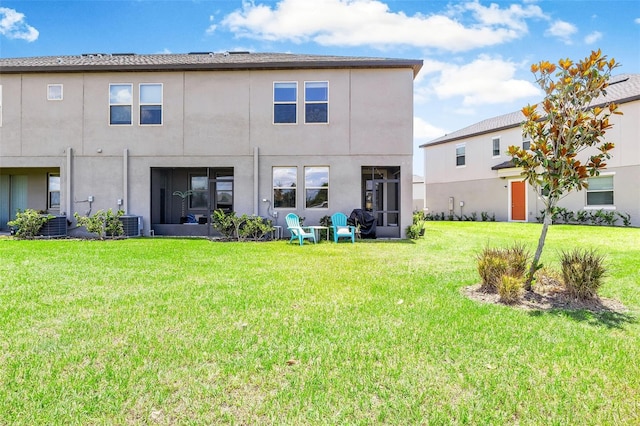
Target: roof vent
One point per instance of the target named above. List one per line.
(618, 79)
(201, 53)
(239, 52)
(123, 54)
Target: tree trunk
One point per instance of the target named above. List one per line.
(548, 217)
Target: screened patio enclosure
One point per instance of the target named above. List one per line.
(183, 198)
(28, 188)
(381, 197)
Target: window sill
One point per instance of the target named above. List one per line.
(603, 207)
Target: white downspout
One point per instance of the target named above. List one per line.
(68, 212)
(256, 181)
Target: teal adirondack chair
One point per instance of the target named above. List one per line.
(297, 231)
(341, 229)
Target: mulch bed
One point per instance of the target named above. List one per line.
(547, 296)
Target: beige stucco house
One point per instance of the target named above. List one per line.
(469, 170)
(255, 133)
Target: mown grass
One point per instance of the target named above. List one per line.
(179, 331)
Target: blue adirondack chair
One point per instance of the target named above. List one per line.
(297, 231)
(341, 229)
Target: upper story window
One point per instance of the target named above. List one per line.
(53, 190)
(526, 144)
(316, 102)
(600, 191)
(316, 187)
(150, 104)
(120, 103)
(496, 147)
(460, 155)
(54, 92)
(284, 187)
(285, 97)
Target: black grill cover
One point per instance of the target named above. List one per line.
(366, 221)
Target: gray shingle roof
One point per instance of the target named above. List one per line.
(622, 88)
(196, 61)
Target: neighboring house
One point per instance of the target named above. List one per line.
(253, 133)
(418, 193)
(469, 170)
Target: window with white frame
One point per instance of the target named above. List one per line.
(285, 96)
(496, 147)
(53, 191)
(316, 187)
(120, 104)
(526, 144)
(150, 104)
(284, 187)
(460, 155)
(316, 102)
(54, 92)
(600, 191)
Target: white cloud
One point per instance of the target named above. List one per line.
(484, 81)
(637, 20)
(13, 26)
(593, 37)
(562, 30)
(424, 131)
(213, 27)
(512, 17)
(372, 23)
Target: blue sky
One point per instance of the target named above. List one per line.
(476, 54)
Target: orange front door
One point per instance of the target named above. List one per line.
(518, 203)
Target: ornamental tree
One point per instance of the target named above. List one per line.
(571, 119)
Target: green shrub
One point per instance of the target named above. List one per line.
(102, 223)
(567, 216)
(113, 226)
(510, 288)
(626, 218)
(470, 218)
(491, 266)
(29, 223)
(583, 216)
(254, 228)
(582, 272)
(416, 229)
(225, 223)
(494, 263)
(241, 228)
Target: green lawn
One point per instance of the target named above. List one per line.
(185, 331)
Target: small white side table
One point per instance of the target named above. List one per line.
(317, 230)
